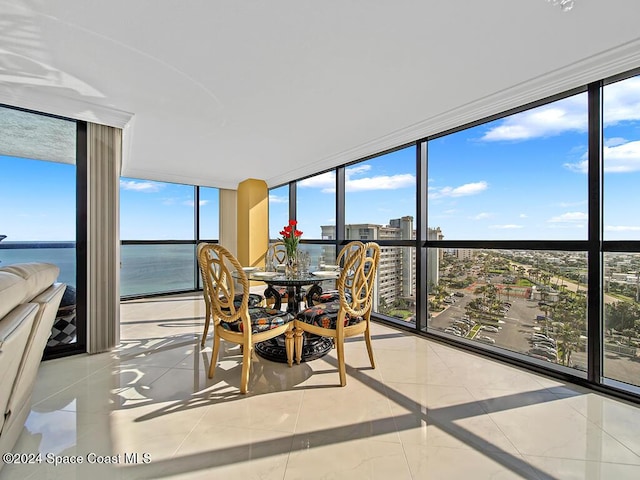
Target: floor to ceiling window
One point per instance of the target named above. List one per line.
(621, 231)
(160, 227)
(519, 178)
(157, 230)
(316, 216)
(523, 240)
(39, 211)
(380, 206)
(209, 213)
(278, 210)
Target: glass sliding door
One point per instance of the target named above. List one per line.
(38, 197)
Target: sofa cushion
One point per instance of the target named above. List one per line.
(13, 290)
(38, 275)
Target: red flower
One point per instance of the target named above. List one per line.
(291, 237)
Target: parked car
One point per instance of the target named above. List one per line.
(544, 353)
(540, 357)
(540, 336)
(453, 331)
(490, 328)
(545, 347)
(461, 325)
(485, 339)
(459, 294)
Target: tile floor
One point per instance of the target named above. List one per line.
(428, 411)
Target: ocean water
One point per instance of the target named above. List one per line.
(145, 269)
(64, 258)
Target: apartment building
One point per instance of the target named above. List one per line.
(396, 271)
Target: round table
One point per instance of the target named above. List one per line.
(313, 346)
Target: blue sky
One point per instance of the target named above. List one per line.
(522, 177)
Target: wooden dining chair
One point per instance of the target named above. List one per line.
(351, 314)
(277, 255)
(332, 295)
(255, 300)
(235, 321)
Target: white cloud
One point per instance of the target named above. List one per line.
(277, 199)
(146, 186)
(621, 103)
(383, 182)
(621, 158)
(357, 170)
(482, 216)
(569, 217)
(510, 226)
(622, 228)
(190, 203)
(327, 181)
(461, 191)
(615, 141)
(570, 204)
(569, 114)
(523, 215)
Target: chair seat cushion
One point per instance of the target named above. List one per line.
(329, 296)
(255, 300)
(262, 319)
(325, 315)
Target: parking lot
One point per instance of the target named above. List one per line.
(515, 328)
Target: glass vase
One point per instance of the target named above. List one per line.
(291, 265)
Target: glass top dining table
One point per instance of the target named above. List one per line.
(293, 285)
(313, 346)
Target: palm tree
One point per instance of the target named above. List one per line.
(508, 289)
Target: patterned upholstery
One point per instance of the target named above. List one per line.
(328, 296)
(262, 319)
(255, 300)
(325, 315)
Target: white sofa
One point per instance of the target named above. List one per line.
(29, 300)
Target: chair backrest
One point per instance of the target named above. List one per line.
(346, 250)
(277, 252)
(357, 279)
(216, 267)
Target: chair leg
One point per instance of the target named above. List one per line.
(207, 319)
(246, 368)
(289, 345)
(214, 354)
(367, 337)
(298, 332)
(342, 369)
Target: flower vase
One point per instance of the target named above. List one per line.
(291, 266)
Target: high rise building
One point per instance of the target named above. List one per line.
(434, 255)
(396, 278)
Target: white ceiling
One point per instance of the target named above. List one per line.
(213, 92)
